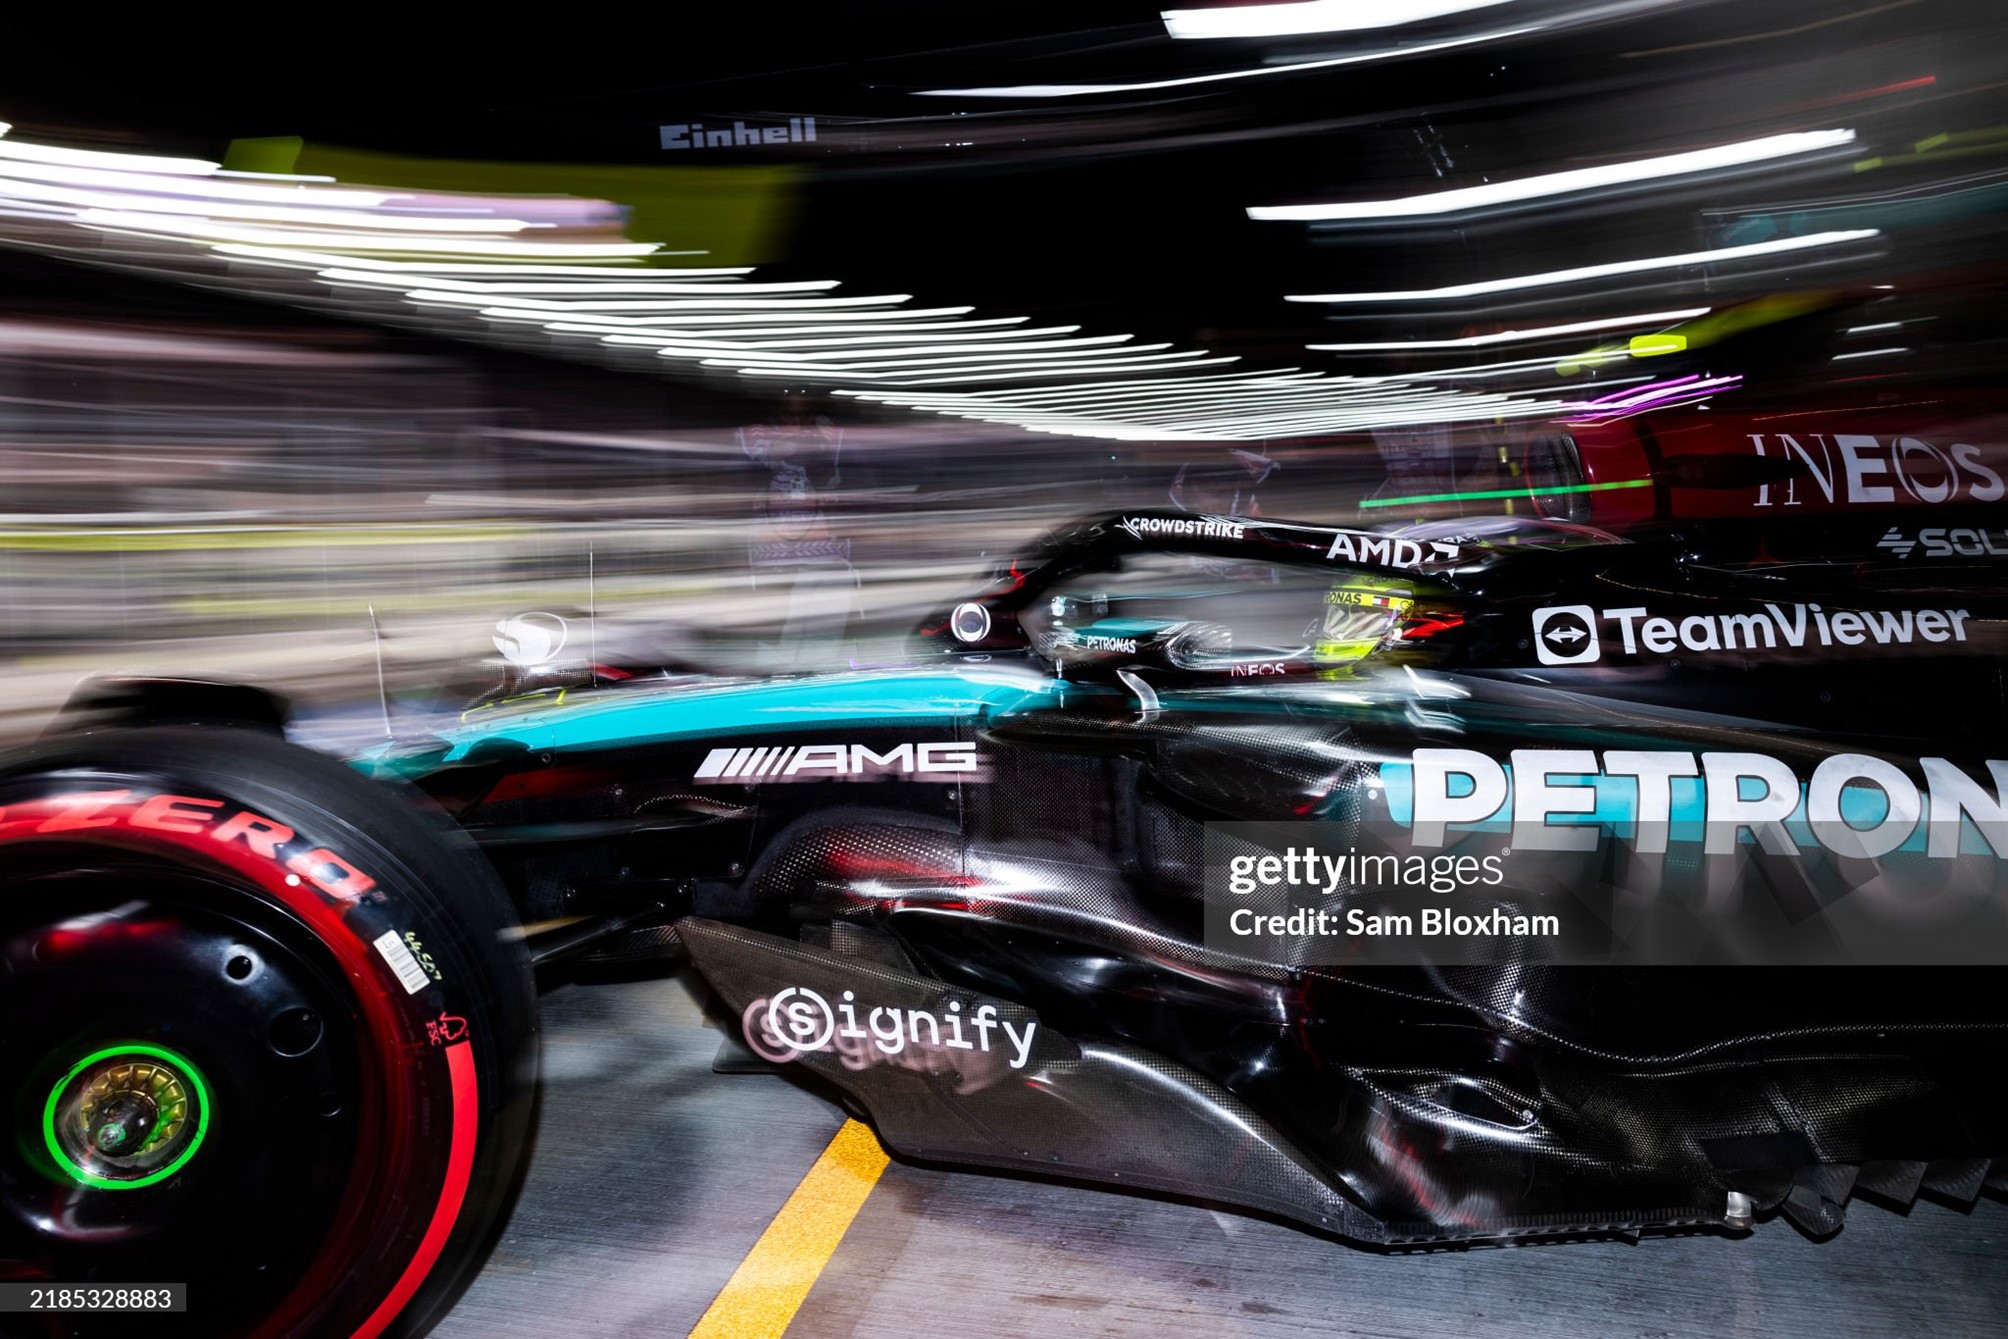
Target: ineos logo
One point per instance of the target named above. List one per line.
(1566, 635)
(1857, 469)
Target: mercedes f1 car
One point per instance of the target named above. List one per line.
(1479, 880)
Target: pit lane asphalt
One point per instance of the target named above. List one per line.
(652, 1178)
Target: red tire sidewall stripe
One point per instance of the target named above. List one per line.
(452, 1195)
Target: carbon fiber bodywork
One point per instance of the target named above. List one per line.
(971, 893)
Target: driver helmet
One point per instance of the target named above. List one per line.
(1359, 613)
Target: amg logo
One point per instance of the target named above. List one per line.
(693, 135)
(943, 761)
(1943, 543)
(1206, 527)
(1855, 469)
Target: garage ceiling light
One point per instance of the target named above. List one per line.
(1310, 16)
(1518, 336)
(1520, 281)
(1714, 159)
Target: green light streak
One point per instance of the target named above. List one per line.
(182, 1068)
(1502, 492)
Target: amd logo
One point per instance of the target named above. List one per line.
(693, 135)
(1359, 547)
(1855, 469)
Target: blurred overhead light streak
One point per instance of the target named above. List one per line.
(1520, 367)
(591, 288)
(1310, 16)
(1559, 16)
(744, 296)
(1224, 408)
(248, 207)
(155, 185)
(654, 324)
(1493, 194)
(362, 269)
(994, 371)
(906, 335)
(459, 245)
(1517, 336)
(1577, 275)
(1187, 81)
(963, 352)
(23, 150)
(558, 274)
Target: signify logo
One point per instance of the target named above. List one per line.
(1855, 469)
(798, 1020)
(693, 134)
(1570, 634)
(1940, 542)
(1854, 804)
(940, 761)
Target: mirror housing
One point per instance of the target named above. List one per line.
(1097, 651)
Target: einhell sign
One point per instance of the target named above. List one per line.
(696, 135)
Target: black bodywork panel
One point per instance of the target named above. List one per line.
(1055, 883)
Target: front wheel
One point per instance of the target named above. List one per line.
(265, 1030)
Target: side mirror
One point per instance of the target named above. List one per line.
(1101, 650)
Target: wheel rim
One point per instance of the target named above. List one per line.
(126, 1117)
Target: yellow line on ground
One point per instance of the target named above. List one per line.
(770, 1284)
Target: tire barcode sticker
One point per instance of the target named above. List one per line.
(399, 957)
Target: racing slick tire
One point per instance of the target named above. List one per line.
(265, 1029)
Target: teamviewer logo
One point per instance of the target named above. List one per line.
(1566, 634)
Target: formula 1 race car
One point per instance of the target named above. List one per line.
(1482, 879)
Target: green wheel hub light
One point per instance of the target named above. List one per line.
(126, 1117)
